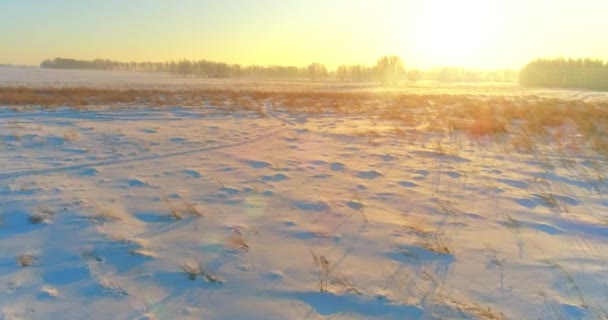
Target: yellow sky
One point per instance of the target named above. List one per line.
(480, 34)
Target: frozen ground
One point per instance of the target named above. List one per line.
(210, 212)
(36, 77)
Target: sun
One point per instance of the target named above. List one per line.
(459, 33)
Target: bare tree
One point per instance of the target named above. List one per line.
(390, 70)
(317, 71)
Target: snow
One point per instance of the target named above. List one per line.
(37, 77)
(200, 212)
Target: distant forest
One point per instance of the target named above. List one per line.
(388, 70)
(566, 73)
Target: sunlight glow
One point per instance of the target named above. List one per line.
(425, 33)
(460, 33)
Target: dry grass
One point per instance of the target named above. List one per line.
(431, 240)
(520, 118)
(106, 215)
(236, 241)
(525, 124)
(174, 212)
(322, 264)
(113, 287)
(194, 270)
(41, 215)
(477, 311)
(177, 212)
(192, 209)
(70, 135)
(26, 260)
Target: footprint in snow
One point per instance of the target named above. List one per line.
(407, 184)
(258, 164)
(354, 205)
(88, 172)
(192, 173)
(230, 191)
(311, 206)
(524, 202)
(55, 141)
(150, 217)
(136, 183)
(373, 174)
(514, 183)
(387, 157)
(337, 166)
(309, 235)
(422, 172)
(453, 174)
(274, 275)
(275, 178)
(318, 162)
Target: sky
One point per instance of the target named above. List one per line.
(477, 34)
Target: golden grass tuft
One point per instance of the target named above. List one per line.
(26, 260)
(474, 115)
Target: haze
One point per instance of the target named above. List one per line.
(471, 33)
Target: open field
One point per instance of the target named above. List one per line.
(249, 200)
(124, 80)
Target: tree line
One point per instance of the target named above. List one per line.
(388, 70)
(185, 68)
(566, 73)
